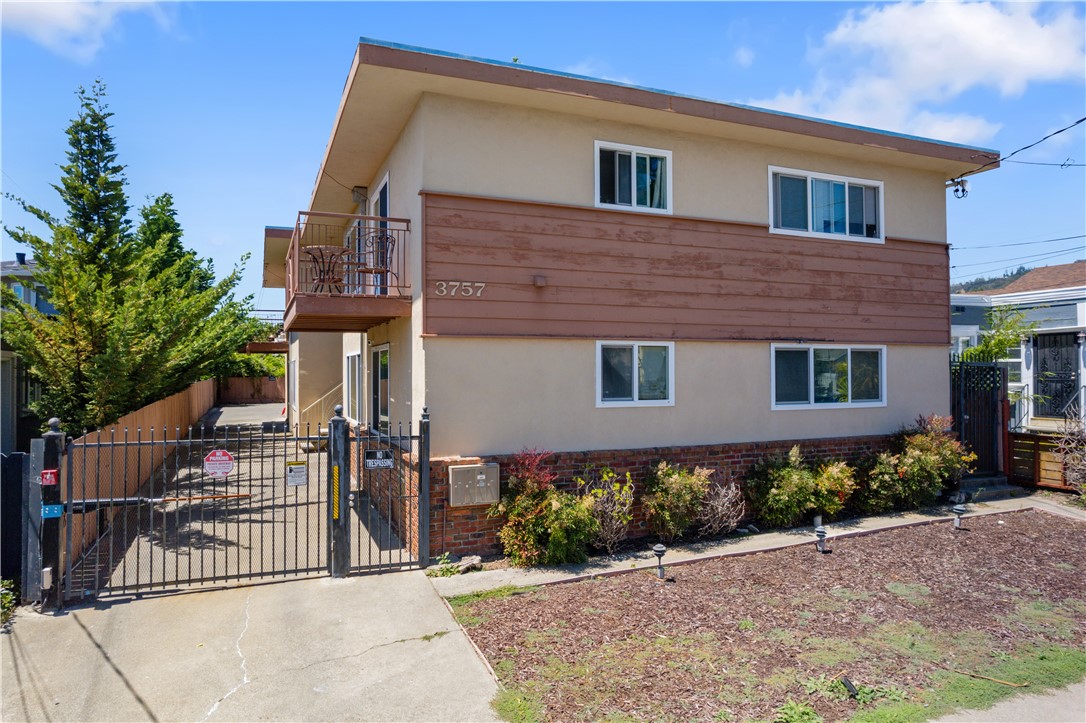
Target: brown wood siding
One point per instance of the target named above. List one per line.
(627, 275)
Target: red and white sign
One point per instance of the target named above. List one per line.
(218, 463)
(50, 477)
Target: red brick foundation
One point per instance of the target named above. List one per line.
(468, 530)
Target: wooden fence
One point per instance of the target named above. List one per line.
(1034, 461)
(94, 469)
(252, 390)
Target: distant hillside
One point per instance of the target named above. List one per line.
(989, 283)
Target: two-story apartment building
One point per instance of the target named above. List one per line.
(549, 260)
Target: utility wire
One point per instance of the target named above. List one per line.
(326, 173)
(1020, 243)
(1043, 257)
(1021, 258)
(1065, 164)
(994, 161)
(977, 273)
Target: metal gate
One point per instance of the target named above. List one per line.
(978, 391)
(147, 511)
(1056, 373)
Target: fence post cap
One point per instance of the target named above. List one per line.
(54, 425)
(338, 410)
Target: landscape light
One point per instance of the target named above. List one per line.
(958, 511)
(659, 551)
(820, 533)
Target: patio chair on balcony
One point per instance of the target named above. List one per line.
(374, 259)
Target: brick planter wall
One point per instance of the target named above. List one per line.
(468, 530)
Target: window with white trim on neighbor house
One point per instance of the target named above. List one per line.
(632, 177)
(808, 376)
(635, 374)
(812, 204)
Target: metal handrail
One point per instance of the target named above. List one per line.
(325, 411)
(1073, 400)
(1024, 395)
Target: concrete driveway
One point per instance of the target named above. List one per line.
(378, 647)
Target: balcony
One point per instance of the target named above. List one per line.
(346, 272)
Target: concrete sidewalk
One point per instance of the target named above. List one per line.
(379, 647)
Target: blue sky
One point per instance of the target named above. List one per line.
(228, 106)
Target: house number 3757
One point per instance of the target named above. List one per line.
(459, 288)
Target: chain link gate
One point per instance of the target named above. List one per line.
(147, 511)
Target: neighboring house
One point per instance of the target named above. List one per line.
(548, 260)
(17, 423)
(1048, 371)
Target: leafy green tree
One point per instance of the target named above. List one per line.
(1007, 327)
(158, 221)
(134, 322)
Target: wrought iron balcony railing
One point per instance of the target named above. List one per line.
(345, 255)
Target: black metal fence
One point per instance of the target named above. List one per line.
(157, 510)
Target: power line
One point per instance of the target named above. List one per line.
(1020, 243)
(1049, 256)
(1066, 164)
(1074, 249)
(978, 272)
(994, 161)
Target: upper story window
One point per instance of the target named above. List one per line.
(631, 177)
(635, 374)
(809, 376)
(817, 204)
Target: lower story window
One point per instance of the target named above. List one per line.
(634, 374)
(807, 375)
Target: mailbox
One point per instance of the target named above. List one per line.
(473, 484)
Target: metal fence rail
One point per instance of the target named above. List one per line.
(146, 512)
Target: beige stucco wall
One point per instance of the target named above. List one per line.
(320, 370)
(492, 396)
(546, 156)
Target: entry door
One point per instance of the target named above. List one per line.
(1055, 375)
(379, 389)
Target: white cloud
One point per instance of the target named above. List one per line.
(894, 66)
(744, 56)
(594, 68)
(74, 30)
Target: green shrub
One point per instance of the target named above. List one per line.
(611, 502)
(543, 525)
(784, 489)
(674, 498)
(926, 459)
(9, 599)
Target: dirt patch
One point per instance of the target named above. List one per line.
(735, 638)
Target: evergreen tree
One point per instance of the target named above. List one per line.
(158, 221)
(92, 185)
(134, 322)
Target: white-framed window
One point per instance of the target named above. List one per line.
(803, 203)
(827, 375)
(635, 374)
(633, 178)
(352, 388)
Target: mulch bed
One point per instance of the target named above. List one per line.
(734, 638)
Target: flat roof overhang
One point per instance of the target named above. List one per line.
(386, 82)
(276, 246)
